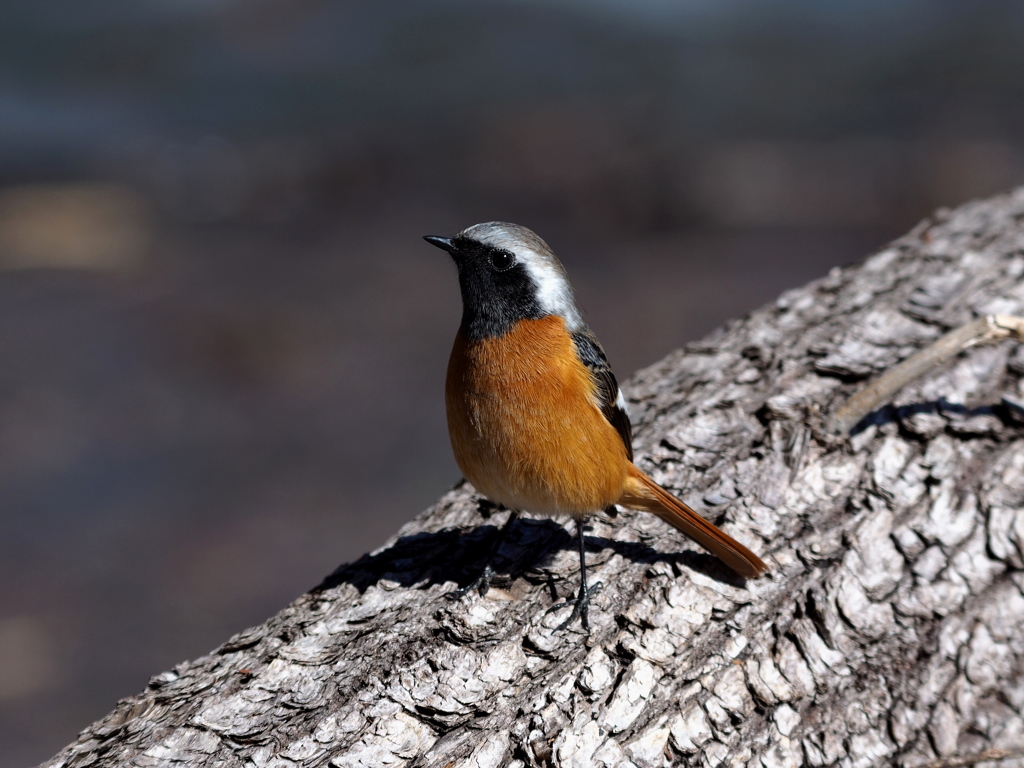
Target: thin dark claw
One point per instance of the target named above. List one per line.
(481, 584)
(580, 608)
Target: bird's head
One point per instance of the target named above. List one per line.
(506, 274)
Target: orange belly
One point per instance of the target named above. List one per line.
(525, 426)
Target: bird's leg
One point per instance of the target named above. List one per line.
(482, 583)
(581, 605)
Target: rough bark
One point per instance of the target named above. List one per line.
(890, 630)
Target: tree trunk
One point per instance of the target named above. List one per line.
(889, 630)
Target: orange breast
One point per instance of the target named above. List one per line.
(525, 426)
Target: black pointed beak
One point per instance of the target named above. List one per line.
(444, 243)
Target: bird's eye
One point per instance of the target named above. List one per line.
(502, 260)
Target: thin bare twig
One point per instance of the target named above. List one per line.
(988, 329)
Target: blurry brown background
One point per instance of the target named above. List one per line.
(222, 341)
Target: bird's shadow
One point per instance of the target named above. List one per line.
(459, 555)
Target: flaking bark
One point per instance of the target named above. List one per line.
(889, 631)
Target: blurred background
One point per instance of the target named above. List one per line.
(223, 343)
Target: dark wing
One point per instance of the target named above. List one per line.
(613, 404)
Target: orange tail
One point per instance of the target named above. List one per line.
(643, 493)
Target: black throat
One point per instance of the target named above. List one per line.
(493, 301)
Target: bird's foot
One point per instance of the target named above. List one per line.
(580, 607)
(481, 584)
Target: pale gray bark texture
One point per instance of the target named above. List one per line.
(889, 631)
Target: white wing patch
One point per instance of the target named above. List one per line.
(620, 403)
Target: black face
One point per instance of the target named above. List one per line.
(497, 290)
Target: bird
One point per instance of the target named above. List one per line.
(535, 415)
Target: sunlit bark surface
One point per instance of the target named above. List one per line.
(889, 631)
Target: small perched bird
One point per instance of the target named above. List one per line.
(536, 418)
